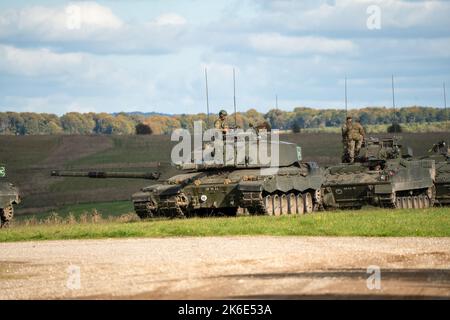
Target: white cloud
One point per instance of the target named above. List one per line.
(90, 27)
(276, 44)
(350, 16)
(170, 19)
(75, 21)
(34, 62)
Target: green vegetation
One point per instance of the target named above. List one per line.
(427, 119)
(106, 209)
(372, 222)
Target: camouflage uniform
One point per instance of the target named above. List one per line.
(352, 138)
(221, 123)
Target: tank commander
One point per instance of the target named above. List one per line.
(221, 123)
(352, 137)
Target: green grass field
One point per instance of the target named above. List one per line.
(106, 209)
(372, 223)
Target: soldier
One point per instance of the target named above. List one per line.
(221, 122)
(353, 136)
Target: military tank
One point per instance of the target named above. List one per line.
(240, 186)
(9, 196)
(383, 175)
(440, 153)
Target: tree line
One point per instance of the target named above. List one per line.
(28, 123)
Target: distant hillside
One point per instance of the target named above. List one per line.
(299, 119)
(140, 113)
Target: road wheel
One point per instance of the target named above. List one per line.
(307, 199)
(421, 202)
(6, 215)
(284, 206)
(399, 203)
(415, 202)
(426, 202)
(276, 205)
(410, 202)
(300, 204)
(292, 203)
(404, 202)
(268, 202)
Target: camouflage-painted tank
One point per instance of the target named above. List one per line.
(441, 155)
(9, 196)
(247, 187)
(383, 175)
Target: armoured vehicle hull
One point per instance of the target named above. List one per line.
(383, 177)
(442, 183)
(9, 196)
(291, 190)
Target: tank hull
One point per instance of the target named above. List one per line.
(231, 192)
(443, 182)
(391, 186)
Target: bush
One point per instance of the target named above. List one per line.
(295, 127)
(143, 129)
(394, 128)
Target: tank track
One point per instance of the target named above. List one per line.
(254, 202)
(420, 201)
(257, 203)
(169, 206)
(145, 209)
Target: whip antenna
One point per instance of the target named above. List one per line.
(346, 112)
(445, 104)
(207, 100)
(234, 98)
(393, 106)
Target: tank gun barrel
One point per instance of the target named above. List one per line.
(106, 174)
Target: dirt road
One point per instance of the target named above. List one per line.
(226, 267)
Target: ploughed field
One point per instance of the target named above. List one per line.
(30, 159)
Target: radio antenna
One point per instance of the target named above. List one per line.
(207, 100)
(234, 98)
(346, 112)
(393, 106)
(445, 104)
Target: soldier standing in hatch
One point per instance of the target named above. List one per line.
(352, 136)
(221, 122)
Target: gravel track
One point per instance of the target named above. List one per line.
(226, 267)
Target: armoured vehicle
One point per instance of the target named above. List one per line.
(240, 184)
(383, 175)
(441, 154)
(9, 196)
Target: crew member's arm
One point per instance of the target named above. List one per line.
(361, 132)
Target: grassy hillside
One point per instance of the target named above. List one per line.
(30, 159)
(424, 223)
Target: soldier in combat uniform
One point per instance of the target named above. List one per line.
(221, 122)
(352, 137)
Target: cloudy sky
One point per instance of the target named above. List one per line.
(113, 55)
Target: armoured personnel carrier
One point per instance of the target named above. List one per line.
(383, 175)
(241, 184)
(441, 154)
(9, 196)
